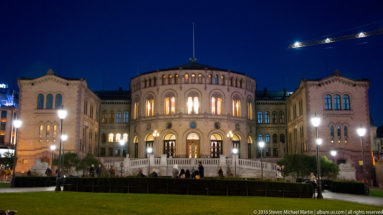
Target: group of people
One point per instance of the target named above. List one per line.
(93, 170)
(195, 174)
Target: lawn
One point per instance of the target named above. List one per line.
(376, 192)
(118, 203)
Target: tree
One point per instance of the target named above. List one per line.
(87, 161)
(70, 160)
(301, 165)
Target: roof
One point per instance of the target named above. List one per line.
(50, 72)
(193, 65)
(113, 94)
(272, 95)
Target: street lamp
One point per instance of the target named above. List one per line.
(235, 153)
(53, 148)
(315, 121)
(64, 138)
(261, 144)
(122, 143)
(62, 115)
(149, 150)
(361, 131)
(17, 124)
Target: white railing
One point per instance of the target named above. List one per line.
(208, 161)
(139, 163)
(179, 161)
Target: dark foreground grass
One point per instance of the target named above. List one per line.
(376, 192)
(106, 203)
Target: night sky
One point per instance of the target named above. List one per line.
(109, 42)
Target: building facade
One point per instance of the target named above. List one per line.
(198, 111)
(40, 98)
(8, 110)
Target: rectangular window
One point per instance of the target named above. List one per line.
(3, 114)
(2, 139)
(260, 117)
(267, 117)
(110, 152)
(102, 152)
(2, 126)
(135, 110)
(167, 106)
(118, 117)
(126, 117)
(219, 106)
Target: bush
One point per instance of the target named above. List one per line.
(32, 181)
(189, 186)
(351, 187)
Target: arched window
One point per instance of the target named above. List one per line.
(193, 103)
(274, 117)
(40, 101)
(193, 78)
(267, 117)
(216, 104)
(103, 138)
(346, 102)
(48, 131)
(186, 78)
(345, 133)
(267, 146)
(337, 102)
(118, 137)
(223, 79)
(216, 80)
(146, 83)
(281, 117)
(170, 145)
(241, 83)
(41, 130)
(163, 79)
(110, 137)
(135, 110)
(170, 104)
(260, 117)
(260, 137)
(49, 101)
(236, 140)
(232, 81)
(216, 148)
(58, 104)
(150, 82)
(332, 133)
(339, 133)
(170, 80)
(210, 78)
(135, 142)
(275, 145)
(176, 78)
(200, 78)
(275, 138)
(111, 117)
(267, 138)
(327, 102)
(250, 110)
(236, 106)
(282, 138)
(149, 106)
(125, 137)
(154, 81)
(149, 142)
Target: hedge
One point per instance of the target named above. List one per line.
(35, 181)
(189, 186)
(347, 187)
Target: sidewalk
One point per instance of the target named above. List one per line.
(368, 200)
(27, 189)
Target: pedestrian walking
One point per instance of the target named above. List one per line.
(201, 170)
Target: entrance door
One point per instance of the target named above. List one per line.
(192, 148)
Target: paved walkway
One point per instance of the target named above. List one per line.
(27, 189)
(368, 200)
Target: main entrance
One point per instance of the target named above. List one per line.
(193, 146)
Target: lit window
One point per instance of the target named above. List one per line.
(236, 107)
(170, 80)
(346, 102)
(41, 129)
(193, 78)
(193, 104)
(54, 130)
(336, 102)
(327, 102)
(110, 137)
(216, 80)
(250, 110)
(48, 131)
(216, 105)
(186, 78)
(163, 79)
(125, 137)
(223, 79)
(338, 131)
(176, 79)
(135, 110)
(118, 137)
(149, 105)
(170, 104)
(260, 137)
(332, 133)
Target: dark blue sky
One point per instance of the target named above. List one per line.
(108, 42)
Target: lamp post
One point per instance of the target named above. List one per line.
(149, 150)
(122, 143)
(261, 144)
(53, 148)
(235, 153)
(333, 154)
(361, 131)
(64, 138)
(17, 124)
(315, 121)
(62, 115)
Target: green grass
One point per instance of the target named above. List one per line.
(106, 203)
(5, 185)
(376, 192)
